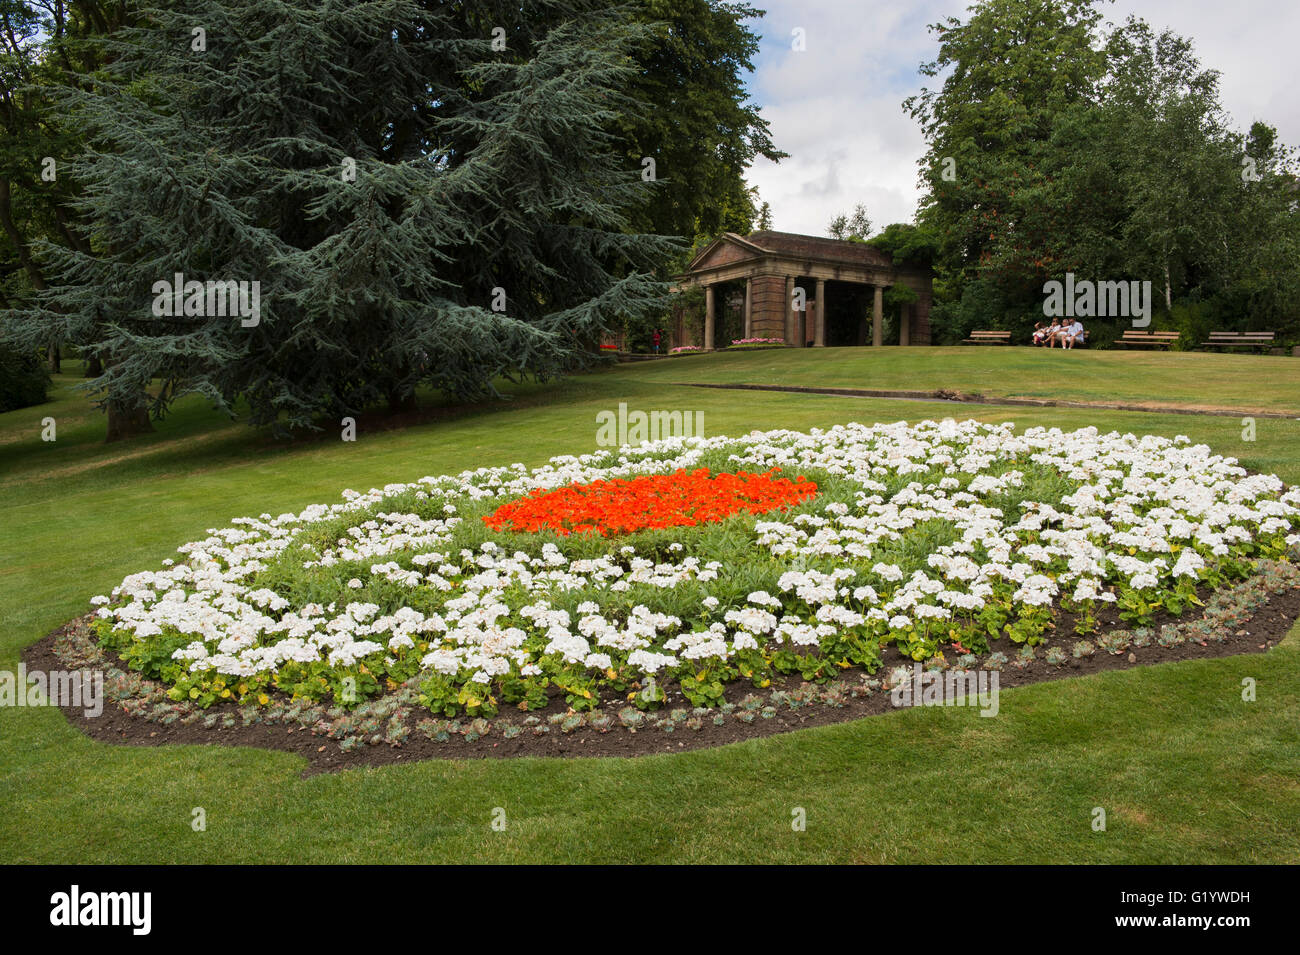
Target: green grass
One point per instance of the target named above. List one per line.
(1186, 771)
(1246, 382)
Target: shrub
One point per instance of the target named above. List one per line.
(24, 379)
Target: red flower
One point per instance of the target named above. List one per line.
(620, 506)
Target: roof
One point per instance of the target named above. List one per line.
(794, 245)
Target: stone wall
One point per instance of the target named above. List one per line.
(921, 319)
(767, 308)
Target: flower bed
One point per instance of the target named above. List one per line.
(1249, 617)
(654, 502)
(957, 538)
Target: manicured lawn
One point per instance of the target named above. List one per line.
(1247, 382)
(1186, 771)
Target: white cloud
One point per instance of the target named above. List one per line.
(837, 108)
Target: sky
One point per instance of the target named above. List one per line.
(836, 107)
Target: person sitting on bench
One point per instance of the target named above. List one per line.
(1040, 333)
(1071, 334)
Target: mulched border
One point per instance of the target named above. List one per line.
(1263, 629)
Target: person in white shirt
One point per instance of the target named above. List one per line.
(1073, 333)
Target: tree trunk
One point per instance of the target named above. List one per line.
(17, 239)
(56, 359)
(127, 421)
(94, 367)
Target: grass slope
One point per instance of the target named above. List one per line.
(1186, 771)
(1246, 382)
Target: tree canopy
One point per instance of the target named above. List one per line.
(853, 225)
(1059, 144)
(407, 193)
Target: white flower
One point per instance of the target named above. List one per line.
(650, 662)
(891, 572)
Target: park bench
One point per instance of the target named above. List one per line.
(1133, 336)
(1241, 340)
(988, 338)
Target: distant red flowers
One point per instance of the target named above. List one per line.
(649, 502)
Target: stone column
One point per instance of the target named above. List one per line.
(921, 319)
(877, 316)
(904, 324)
(819, 338)
(791, 316)
(749, 309)
(708, 317)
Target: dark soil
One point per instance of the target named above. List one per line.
(1264, 629)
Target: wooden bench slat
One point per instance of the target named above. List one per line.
(988, 337)
(1240, 340)
(1133, 336)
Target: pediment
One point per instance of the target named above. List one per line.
(724, 250)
